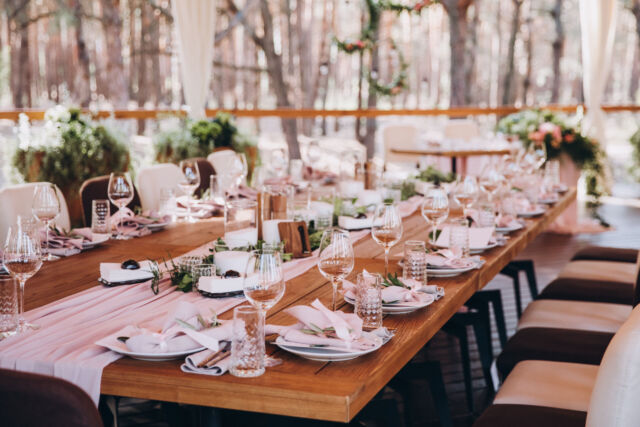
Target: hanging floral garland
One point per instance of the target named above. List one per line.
(367, 41)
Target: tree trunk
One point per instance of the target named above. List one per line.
(635, 72)
(471, 55)
(81, 84)
(114, 73)
(508, 93)
(558, 50)
(458, 32)
(369, 139)
(305, 62)
(526, 84)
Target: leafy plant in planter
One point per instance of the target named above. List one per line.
(70, 150)
(199, 138)
(635, 155)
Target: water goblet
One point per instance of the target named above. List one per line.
(435, 210)
(46, 207)
(120, 192)
(189, 183)
(336, 258)
(387, 229)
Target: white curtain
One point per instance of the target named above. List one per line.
(597, 23)
(195, 27)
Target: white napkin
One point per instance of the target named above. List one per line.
(351, 223)
(113, 272)
(479, 237)
(368, 197)
(192, 361)
(220, 285)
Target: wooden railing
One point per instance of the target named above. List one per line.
(310, 113)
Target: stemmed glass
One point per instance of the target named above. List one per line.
(189, 183)
(240, 170)
(435, 210)
(279, 161)
(336, 258)
(387, 229)
(120, 193)
(22, 259)
(490, 181)
(466, 192)
(264, 283)
(46, 207)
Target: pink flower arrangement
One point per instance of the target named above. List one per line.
(547, 128)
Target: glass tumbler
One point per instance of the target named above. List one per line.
(415, 261)
(100, 216)
(459, 235)
(486, 215)
(368, 305)
(247, 342)
(8, 306)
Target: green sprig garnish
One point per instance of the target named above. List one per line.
(157, 276)
(392, 280)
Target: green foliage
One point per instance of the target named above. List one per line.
(199, 138)
(86, 150)
(559, 135)
(635, 155)
(432, 174)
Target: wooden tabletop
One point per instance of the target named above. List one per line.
(445, 152)
(298, 387)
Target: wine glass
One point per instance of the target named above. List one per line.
(336, 258)
(435, 210)
(22, 259)
(387, 229)
(120, 193)
(279, 161)
(490, 181)
(241, 169)
(189, 183)
(264, 283)
(466, 192)
(46, 207)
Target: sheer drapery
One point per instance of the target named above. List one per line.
(195, 26)
(598, 23)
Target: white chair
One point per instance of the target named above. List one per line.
(461, 129)
(402, 136)
(151, 180)
(17, 200)
(224, 161)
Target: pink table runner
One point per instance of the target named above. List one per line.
(64, 346)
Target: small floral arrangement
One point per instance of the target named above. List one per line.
(183, 139)
(560, 134)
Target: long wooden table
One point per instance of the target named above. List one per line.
(453, 153)
(298, 387)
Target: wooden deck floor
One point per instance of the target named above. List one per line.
(549, 252)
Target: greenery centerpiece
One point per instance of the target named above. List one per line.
(198, 138)
(560, 136)
(69, 149)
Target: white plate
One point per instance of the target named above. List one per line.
(447, 272)
(475, 251)
(561, 188)
(157, 225)
(532, 213)
(327, 355)
(397, 308)
(548, 201)
(509, 229)
(119, 347)
(95, 242)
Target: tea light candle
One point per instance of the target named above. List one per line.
(270, 232)
(244, 237)
(350, 188)
(231, 260)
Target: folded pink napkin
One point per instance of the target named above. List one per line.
(449, 258)
(548, 196)
(185, 329)
(134, 225)
(479, 237)
(319, 326)
(507, 221)
(62, 244)
(199, 208)
(395, 294)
